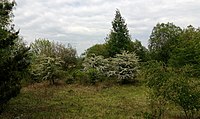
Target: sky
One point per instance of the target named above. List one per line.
(83, 23)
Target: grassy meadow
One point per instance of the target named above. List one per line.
(41, 101)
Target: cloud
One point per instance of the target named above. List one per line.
(84, 23)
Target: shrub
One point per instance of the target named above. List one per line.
(172, 85)
(184, 92)
(124, 67)
(46, 68)
(80, 76)
(156, 76)
(55, 50)
(93, 76)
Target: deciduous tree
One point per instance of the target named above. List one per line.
(163, 39)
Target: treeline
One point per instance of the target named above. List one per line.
(169, 67)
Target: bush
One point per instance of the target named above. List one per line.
(55, 50)
(172, 85)
(124, 67)
(80, 77)
(93, 76)
(156, 76)
(46, 68)
(69, 79)
(184, 92)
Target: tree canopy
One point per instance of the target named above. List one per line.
(187, 50)
(119, 38)
(162, 40)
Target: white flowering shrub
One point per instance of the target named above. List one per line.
(124, 66)
(96, 62)
(94, 66)
(46, 68)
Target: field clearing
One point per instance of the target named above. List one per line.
(40, 101)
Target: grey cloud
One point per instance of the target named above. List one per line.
(84, 23)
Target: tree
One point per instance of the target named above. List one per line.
(42, 47)
(50, 60)
(174, 85)
(14, 58)
(187, 51)
(119, 38)
(163, 39)
(55, 50)
(68, 55)
(98, 49)
(139, 50)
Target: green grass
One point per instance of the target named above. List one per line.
(76, 101)
(41, 101)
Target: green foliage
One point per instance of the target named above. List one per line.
(184, 92)
(163, 39)
(14, 58)
(94, 76)
(119, 38)
(46, 68)
(6, 14)
(187, 51)
(98, 49)
(175, 80)
(55, 50)
(156, 77)
(50, 60)
(139, 50)
(42, 47)
(94, 67)
(80, 77)
(97, 62)
(172, 85)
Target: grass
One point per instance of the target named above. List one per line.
(40, 101)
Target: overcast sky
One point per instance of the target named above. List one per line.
(83, 23)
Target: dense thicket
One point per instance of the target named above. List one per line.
(13, 55)
(50, 60)
(187, 51)
(173, 75)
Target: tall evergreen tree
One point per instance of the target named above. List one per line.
(13, 55)
(119, 38)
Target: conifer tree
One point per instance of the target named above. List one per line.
(13, 55)
(119, 38)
